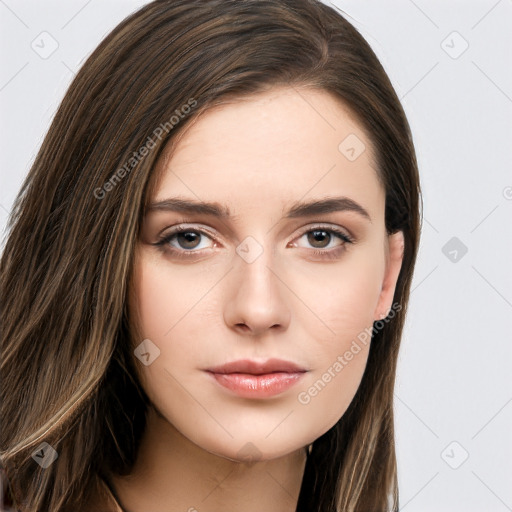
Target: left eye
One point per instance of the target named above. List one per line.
(320, 238)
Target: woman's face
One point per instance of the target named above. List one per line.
(282, 290)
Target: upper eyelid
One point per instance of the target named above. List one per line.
(180, 228)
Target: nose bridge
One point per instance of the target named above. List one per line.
(257, 276)
(258, 298)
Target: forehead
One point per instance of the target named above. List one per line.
(274, 147)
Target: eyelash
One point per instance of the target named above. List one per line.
(164, 242)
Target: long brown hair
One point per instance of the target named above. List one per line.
(68, 376)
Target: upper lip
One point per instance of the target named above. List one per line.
(257, 368)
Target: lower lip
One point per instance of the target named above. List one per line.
(257, 386)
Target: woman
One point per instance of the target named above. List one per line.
(208, 268)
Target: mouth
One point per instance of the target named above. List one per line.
(253, 379)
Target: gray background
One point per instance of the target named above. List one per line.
(450, 64)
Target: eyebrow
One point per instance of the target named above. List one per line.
(298, 209)
(327, 205)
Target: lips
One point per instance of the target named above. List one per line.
(256, 368)
(253, 379)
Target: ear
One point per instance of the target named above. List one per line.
(394, 257)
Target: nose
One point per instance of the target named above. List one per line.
(257, 298)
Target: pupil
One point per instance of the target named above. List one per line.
(318, 234)
(188, 237)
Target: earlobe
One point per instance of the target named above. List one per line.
(393, 265)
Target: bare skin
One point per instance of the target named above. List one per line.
(207, 448)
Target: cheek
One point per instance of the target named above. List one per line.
(344, 299)
(327, 393)
(341, 298)
(166, 303)
(178, 310)
(164, 297)
(169, 308)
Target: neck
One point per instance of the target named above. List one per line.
(173, 474)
